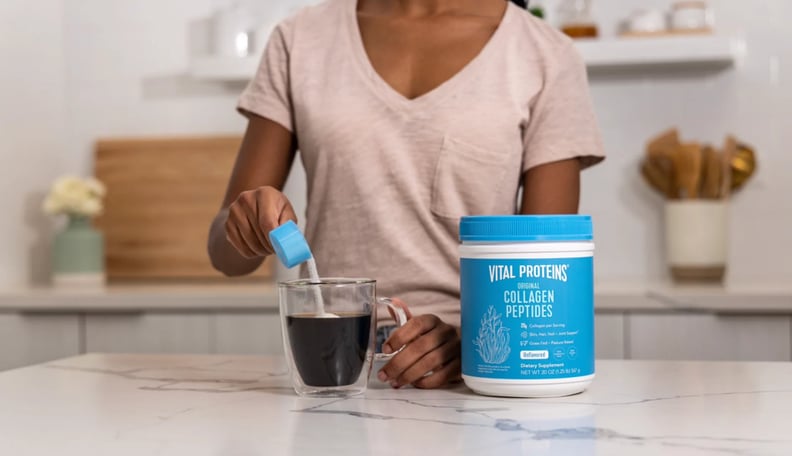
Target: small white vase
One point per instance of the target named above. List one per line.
(696, 237)
(233, 31)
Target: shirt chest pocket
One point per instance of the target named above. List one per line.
(467, 180)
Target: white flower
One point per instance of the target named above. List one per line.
(75, 196)
(96, 187)
(90, 207)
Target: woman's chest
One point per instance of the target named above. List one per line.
(416, 56)
(342, 104)
(453, 155)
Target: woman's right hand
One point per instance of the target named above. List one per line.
(252, 216)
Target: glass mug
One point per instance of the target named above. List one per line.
(331, 355)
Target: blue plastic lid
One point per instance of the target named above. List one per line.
(290, 245)
(505, 228)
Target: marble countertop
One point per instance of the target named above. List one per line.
(224, 405)
(263, 297)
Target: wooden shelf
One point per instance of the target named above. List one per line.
(674, 51)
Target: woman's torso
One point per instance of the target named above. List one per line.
(389, 176)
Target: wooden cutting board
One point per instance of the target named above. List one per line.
(162, 195)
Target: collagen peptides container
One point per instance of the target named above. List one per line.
(527, 285)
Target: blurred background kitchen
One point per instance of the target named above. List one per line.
(141, 94)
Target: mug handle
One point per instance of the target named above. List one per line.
(401, 320)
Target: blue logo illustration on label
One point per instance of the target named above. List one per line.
(527, 319)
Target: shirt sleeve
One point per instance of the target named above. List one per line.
(562, 124)
(269, 93)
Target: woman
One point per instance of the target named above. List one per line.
(408, 115)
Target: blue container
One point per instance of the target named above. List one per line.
(527, 286)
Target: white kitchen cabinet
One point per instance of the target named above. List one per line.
(709, 337)
(29, 339)
(609, 336)
(248, 333)
(149, 333)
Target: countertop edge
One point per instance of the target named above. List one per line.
(264, 299)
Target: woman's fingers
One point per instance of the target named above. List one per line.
(449, 373)
(414, 328)
(236, 239)
(287, 213)
(252, 216)
(429, 344)
(429, 364)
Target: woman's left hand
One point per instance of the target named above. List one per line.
(431, 357)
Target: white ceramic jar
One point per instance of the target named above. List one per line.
(232, 31)
(696, 238)
(647, 21)
(691, 16)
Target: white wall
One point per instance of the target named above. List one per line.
(126, 76)
(31, 130)
(117, 69)
(752, 101)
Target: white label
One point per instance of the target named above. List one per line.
(534, 354)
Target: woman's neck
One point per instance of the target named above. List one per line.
(417, 8)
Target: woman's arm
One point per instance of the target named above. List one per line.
(253, 204)
(553, 188)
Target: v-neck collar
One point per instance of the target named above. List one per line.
(392, 96)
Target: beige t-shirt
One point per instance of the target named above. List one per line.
(389, 177)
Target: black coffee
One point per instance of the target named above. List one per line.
(329, 351)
